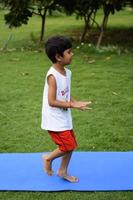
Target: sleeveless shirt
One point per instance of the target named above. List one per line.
(54, 118)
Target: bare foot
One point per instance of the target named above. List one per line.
(71, 179)
(47, 165)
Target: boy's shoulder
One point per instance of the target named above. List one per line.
(50, 70)
(54, 71)
(68, 70)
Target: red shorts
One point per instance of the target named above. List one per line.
(64, 139)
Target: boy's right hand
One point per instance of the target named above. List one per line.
(81, 105)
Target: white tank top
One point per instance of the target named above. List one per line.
(53, 118)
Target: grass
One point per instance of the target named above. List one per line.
(104, 77)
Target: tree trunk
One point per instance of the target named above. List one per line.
(93, 19)
(100, 38)
(103, 26)
(43, 25)
(7, 42)
(86, 27)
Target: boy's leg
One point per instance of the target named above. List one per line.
(49, 158)
(63, 168)
(61, 139)
(64, 163)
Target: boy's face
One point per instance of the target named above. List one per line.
(67, 57)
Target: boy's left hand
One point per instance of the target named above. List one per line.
(81, 105)
(86, 105)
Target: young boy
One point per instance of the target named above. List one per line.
(57, 104)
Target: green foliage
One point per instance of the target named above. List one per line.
(67, 6)
(84, 6)
(19, 12)
(110, 6)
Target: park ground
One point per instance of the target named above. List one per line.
(103, 76)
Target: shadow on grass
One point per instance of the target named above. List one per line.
(121, 37)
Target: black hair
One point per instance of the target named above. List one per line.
(56, 45)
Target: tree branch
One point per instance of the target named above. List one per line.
(35, 13)
(98, 26)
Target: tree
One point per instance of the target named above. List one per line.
(21, 10)
(109, 7)
(85, 9)
(41, 8)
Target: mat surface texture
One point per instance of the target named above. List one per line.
(97, 171)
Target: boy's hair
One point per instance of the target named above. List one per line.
(56, 45)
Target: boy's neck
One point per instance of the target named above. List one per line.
(59, 68)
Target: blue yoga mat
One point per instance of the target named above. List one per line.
(97, 171)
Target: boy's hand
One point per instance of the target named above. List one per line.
(81, 105)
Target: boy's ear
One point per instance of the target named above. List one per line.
(58, 57)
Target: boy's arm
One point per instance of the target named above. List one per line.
(82, 105)
(52, 94)
(72, 99)
(61, 104)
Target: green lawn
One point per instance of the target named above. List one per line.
(104, 77)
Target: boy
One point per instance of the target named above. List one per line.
(57, 104)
